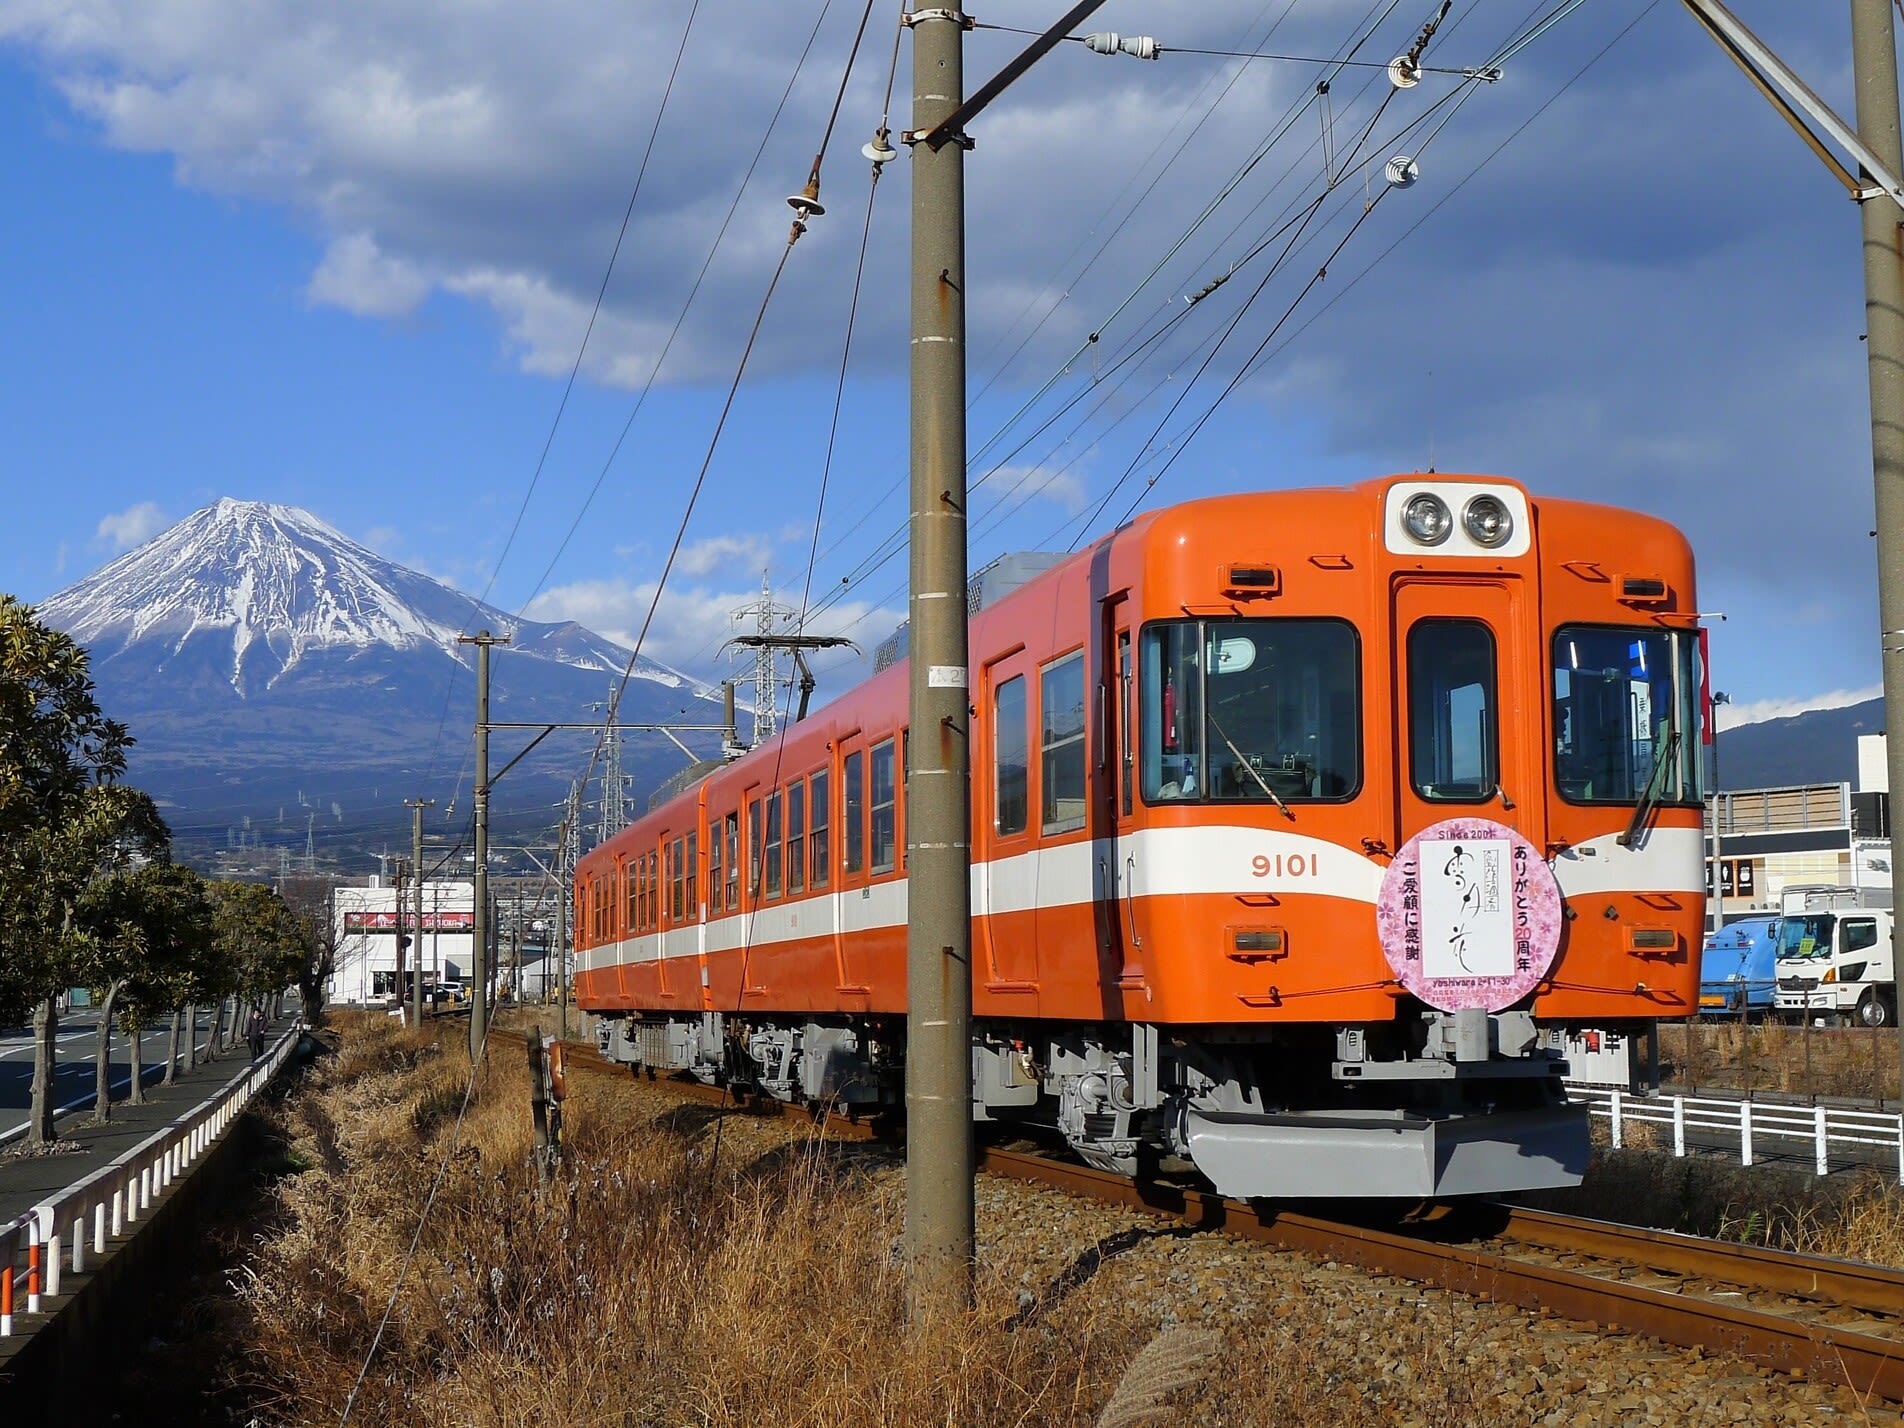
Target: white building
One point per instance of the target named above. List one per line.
(365, 921)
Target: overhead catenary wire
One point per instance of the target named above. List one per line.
(601, 292)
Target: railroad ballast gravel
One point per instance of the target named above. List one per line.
(1333, 1343)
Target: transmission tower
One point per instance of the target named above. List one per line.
(571, 851)
(614, 812)
(768, 618)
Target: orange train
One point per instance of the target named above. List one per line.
(1304, 825)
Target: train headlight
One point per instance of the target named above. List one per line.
(1488, 521)
(1427, 519)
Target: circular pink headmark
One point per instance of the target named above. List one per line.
(1469, 915)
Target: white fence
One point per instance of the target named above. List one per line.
(33, 1247)
(1861, 1137)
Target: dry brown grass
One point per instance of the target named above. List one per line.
(653, 1286)
(1778, 1056)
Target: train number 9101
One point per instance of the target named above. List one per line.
(1284, 865)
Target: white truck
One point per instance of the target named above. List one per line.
(1836, 957)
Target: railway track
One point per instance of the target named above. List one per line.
(1833, 1320)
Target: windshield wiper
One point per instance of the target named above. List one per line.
(1649, 800)
(1254, 772)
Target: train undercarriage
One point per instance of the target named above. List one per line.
(1432, 1104)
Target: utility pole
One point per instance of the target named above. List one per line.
(479, 941)
(416, 807)
(940, 1221)
(1874, 68)
(399, 906)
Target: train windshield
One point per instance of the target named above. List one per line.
(1627, 716)
(1250, 711)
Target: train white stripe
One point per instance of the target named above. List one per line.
(1154, 862)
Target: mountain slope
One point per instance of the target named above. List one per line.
(266, 662)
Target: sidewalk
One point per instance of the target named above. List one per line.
(25, 1180)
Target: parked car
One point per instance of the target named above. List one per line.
(447, 994)
(1737, 975)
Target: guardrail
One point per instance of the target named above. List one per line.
(33, 1246)
(1752, 1122)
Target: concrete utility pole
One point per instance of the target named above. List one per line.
(940, 1221)
(416, 807)
(399, 889)
(940, 1228)
(1874, 67)
(479, 941)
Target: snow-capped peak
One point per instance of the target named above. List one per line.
(277, 583)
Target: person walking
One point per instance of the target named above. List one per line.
(254, 1031)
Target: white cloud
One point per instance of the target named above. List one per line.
(59, 558)
(133, 526)
(691, 624)
(360, 278)
(729, 555)
(1730, 716)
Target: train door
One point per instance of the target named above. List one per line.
(857, 915)
(1115, 873)
(1467, 706)
(1006, 901)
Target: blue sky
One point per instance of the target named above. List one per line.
(343, 258)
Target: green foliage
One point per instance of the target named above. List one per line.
(259, 945)
(147, 930)
(64, 817)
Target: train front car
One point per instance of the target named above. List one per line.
(1394, 785)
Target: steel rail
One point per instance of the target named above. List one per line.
(1869, 1365)
(1874, 1289)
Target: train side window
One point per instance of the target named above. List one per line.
(1126, 753)
(853, 797)
(733, 861)
(882, 807)
(678, 895)
(796, 836)
(1453, 713)
(1061, 724)
(773, 844)
(819, 854)
(715, 880)
(654, 889)
(691, 877)
(1011, 751)
(755, 865)
(631, 888)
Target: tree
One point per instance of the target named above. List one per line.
(259, 943)
(309, 898)
(143, 928)
(64, 818)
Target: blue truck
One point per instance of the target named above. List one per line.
(1737, 969)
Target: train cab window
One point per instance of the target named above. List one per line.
(1627, 716)
(1249, 711)
(883, 827)
(1061, 738)
(819, 852)
(773, 844)
(1011, 750)
(733, 861)
(1453, 711)
(796, 837)
(853, 799)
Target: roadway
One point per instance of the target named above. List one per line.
(78, 1043)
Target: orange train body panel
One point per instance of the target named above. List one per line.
(1049, 959)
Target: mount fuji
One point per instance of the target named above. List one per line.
(286, 683)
